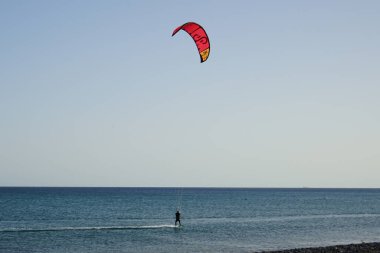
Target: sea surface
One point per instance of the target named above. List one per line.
(81, 220)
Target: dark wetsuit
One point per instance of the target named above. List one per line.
(177, 218)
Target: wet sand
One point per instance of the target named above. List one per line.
(350, 248)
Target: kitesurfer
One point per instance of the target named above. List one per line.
(177, 218)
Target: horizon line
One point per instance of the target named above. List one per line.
(194, 187)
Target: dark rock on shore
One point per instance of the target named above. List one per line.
(351, 248)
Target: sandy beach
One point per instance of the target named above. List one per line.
(350, 248)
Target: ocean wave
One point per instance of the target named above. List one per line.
(163, 226)
(320, 216)
(286, 218)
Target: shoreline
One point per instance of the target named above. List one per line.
(372, 247)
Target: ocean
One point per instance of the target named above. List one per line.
(81, 220)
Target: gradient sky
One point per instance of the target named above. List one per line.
(98, 93)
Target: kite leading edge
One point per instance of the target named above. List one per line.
(199, 36)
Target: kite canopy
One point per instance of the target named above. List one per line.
(199, 36)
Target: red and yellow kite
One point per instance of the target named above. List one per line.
(199, 36)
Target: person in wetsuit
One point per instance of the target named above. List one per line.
(177, 218)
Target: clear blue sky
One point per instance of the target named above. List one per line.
(98, 93)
